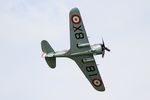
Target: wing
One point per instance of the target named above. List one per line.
(89, 68)
(77, 32)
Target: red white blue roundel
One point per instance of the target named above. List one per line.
(76, 19)
(97, 82)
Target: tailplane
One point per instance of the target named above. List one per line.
(47, 49)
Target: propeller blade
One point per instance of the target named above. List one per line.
(103, 54)
(107, 49)
(103, 42)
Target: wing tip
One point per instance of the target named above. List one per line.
(74, 9)
(101, 89)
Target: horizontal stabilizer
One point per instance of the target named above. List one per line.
(51, 61)
(46, 48)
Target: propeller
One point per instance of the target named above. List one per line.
(104, 48)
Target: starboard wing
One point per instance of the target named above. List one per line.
(77, 32)
(89, 68)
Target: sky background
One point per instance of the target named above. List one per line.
(124, 25)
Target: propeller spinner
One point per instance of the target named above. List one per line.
(104, 48)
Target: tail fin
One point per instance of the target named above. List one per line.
(46, 48)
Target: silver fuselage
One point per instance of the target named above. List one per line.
(96, 49)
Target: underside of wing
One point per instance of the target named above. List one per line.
(89, 68)
(78, 38)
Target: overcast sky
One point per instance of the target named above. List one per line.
(124, 25)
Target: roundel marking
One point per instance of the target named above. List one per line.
(76, 19)
(97, 82)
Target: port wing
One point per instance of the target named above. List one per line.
(78, 35)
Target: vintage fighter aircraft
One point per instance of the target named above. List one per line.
(80, 51)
